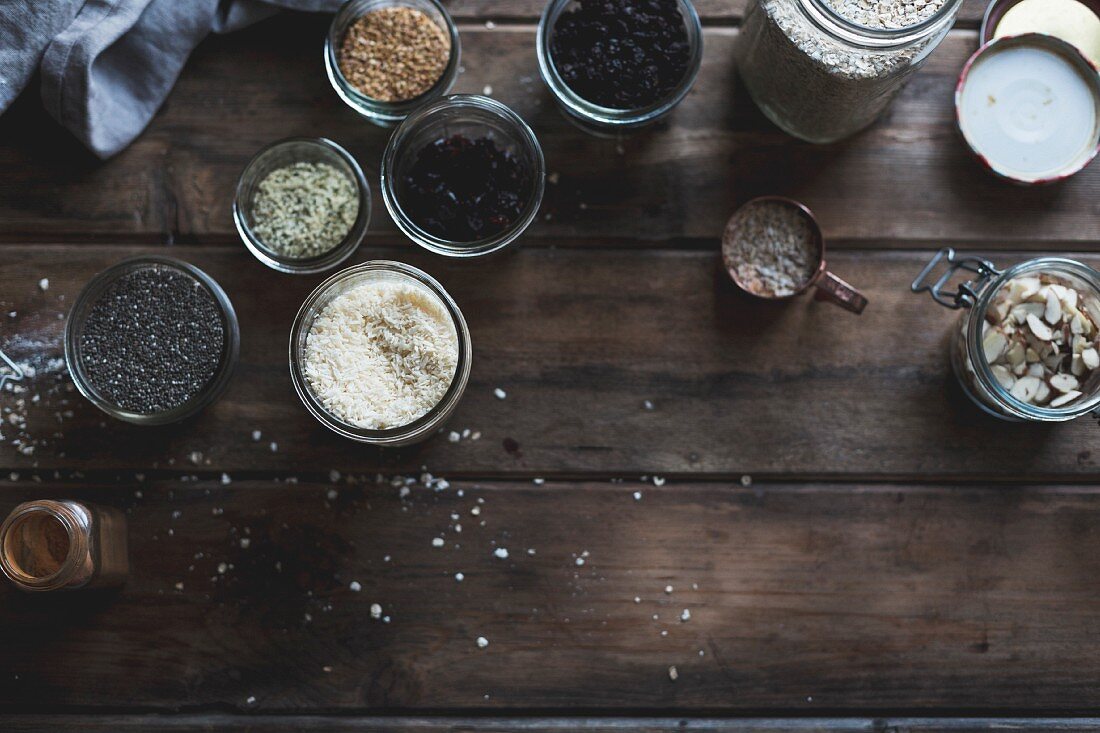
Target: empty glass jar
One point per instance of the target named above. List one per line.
(1026, 344)
(821, 77)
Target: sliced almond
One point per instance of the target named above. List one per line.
(1077, 366)
(1065, 399)
(994, 345)
(1036, 370)
(1053, 314)
(1064, 382)
(1091, 358)
(1031, 354)
(1019, 370)
(1003, 376)
(1022, 311)
(1043, 394)
(1016, 354)
(1026, 388)
(1041, 330)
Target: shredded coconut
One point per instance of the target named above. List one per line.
(382, 354)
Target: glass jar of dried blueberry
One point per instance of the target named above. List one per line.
(619, 64)
(463, 176)
(152, 340)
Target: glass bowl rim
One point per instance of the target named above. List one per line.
(213, 388)
(611, 116)
(317, 263)
(422, 427)
(523, 135)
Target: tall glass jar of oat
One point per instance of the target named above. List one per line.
(1026, 347)
(825, 69)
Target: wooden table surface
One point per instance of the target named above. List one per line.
(794, 507)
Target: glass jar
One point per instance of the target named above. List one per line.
(64, 545)
(593, 117)
(387, 114)
(78, 316)
(288, 152)
(820, 77)
(379, 271)
(474, 116)
(988, 300)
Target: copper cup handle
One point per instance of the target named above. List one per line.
(831, 288)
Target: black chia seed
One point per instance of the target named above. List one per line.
(464, 190)
(153, 340)
(621, 54)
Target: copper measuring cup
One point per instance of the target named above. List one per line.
(828, 286)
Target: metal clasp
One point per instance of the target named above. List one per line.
(15, 376)
(967, 293)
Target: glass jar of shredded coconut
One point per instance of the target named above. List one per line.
(825, 69)
(380, 353)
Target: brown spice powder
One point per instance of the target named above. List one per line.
(394, 54)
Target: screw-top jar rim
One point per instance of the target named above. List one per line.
(425, 425)
(74, 327)
(519, 132)
(611, 117)
(77, 529)
(836, 25)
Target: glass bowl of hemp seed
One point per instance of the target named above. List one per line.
(385, 58)
(302, 205)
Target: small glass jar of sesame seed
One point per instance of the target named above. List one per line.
(385, 58)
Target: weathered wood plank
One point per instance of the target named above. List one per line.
(350, 724)
(909, 180)
(579, 341)
(808, 599)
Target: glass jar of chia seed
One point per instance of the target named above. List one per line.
(598, 118)
(475, 138)
(152, 340)
(383, 113)
(420, 291)
(822, 77)
(1026, 346)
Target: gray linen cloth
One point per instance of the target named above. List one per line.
(107, 65)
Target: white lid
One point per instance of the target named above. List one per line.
(1029, 106)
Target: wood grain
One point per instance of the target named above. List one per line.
(909, 181)
(579, 340)
(352, 724)
(816, 599)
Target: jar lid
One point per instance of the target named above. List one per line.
(1029, 108)
(1075, 21)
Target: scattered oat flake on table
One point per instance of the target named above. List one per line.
(501, 553)
(482, 642)
(437, 542)
(355, 587)
(685, 615)
(44, 284)
(375, 611)
(673, 674)
(500, 393)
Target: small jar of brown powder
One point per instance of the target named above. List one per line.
(385, 58)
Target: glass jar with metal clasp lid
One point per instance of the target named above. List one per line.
(1027, 344)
